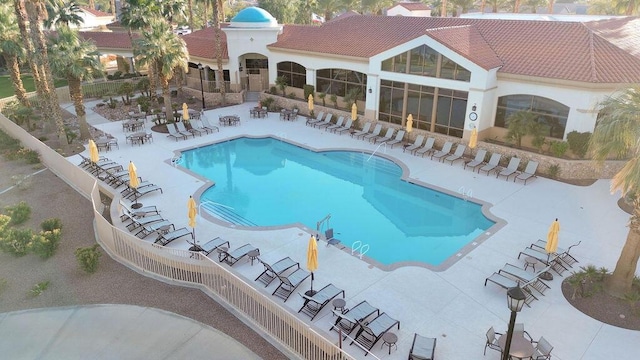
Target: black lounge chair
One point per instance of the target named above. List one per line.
(128, 213)
(208, 247)
(422, 348)
(562, 253)
(272, 271)
(533, 279)
(506, 283)
(164, 239)
(289, 283)
(139, 192)
(142, 221)
(155, 227)
(314, 304)
(548, 259)
(369, 334)
(348, 319)
(232, 257)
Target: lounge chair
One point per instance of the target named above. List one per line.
(397, 140)
(542, 351)
(328, 235)
(427, 148)
(208, 247)
(232, 257)
(363, 132)
(507, 283)
(289, 283)
(337, 125)
(272, 271)
(314, 304)
(128, 190)
(348, 319)
(374, 134)
(477, 161)
(381, 139)
(316, 120)
(369, 334)
(492, 164)
(197, 127)
(445, 151)
(344, 128)
(531, 278)
(139, 192)
(416, 144)
(142, 221)
(183, 130)
(562, 253)
(528, 173)
(511, 169)
(457, 155)
(547, 259)
(173, 133)
(208, 125)
(164, 239)
(143, 211)
(492, 341)
(325, 122)
(146, 230)
(422, 348)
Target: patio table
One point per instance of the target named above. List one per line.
(521, 348)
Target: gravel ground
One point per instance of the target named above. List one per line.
(113, 283)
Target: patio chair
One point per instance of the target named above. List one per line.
(206, 124)
(397, 140)
(328, 235)
(446, 150)
(318, 118)
(477, 161)
(511, 169)
(272, 271)
(337, 125)
(492, 164)
(232, 257)
(422, 348)
(314, 304)
(128, 190)
(521, 274)
(197, 128)
(160, 226)
(143, 211)
(370, 333)
(139, 192)
(289, 283)
(325, 122)
(363, 132)
(542, 351)
(506, 283)
(374, 134)
(183, 130)
(137, 222)
(492, 341)
(416, 144)
(518, 330)
(457, 155)
(164, 239)
(562, 253)
(208, 247)
(548, 259)
(348, 319)
(344, 128)
(427, 148)
(528, 173)
(382, 139)
(173, 133)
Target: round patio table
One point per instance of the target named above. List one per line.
(521, 348)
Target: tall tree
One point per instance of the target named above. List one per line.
(190, 9)
(627, 7)
(616, 135)
(376, 6)
(305, 11)
(21, 18)
(165, 51)
(62, 13)
(76, 60)
(328, 8)
(284, 11)
(218, 16)
(12, 51)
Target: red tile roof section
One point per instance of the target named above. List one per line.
(468, 42)
(95, 12)
(201, 43)
(108, 40)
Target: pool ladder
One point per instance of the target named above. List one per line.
(176, 160)
(466, 194)
(376, 150)
(359, 249)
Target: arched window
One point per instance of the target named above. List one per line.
(425, 61)
(295, 73)
(552, 114)
(340, 82)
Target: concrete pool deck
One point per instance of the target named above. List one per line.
(452, 305)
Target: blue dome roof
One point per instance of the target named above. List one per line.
(253, 15)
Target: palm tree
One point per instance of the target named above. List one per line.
(376, 6)
(76, 60)
(616, 135)
(21, 18)
(12, 50)
(165, 51)
(190, 9)
(627, 7)
(218, 17)
(328, 8)
(62, 13)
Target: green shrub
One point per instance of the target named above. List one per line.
(16, 241)
(18, 213)
(579, 142)
(269, 102)
(39, 288)
(554, 171)
(88, 258)
(46, 243)
(8, 143)
(322, 97)
(30, 156)
(334, 100)
(291, 95)
(273, 90)
(51, 224)
(538, 142)
(559, 148)
(308, 90)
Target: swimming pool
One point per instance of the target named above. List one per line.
(268, 182)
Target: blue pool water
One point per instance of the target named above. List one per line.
(267, 182)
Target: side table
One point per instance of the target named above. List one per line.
(390, 339)
(339, 304)
(529, 261)
(253, 254)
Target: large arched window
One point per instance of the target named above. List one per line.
(425, 61)
(340, 82)
(295, 73)
(552, 114)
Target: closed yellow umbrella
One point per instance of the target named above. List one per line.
(473, 140)
(354, 112)
(310, 102)
(185, 111)
(312, 257)
(192, 213)
(134, 182)
(93, 151)
(552, 237)
(409, 123)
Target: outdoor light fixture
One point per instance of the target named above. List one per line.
(200, 68)
(474, 107)
(370, 90)
(240, 68)
(515, 302)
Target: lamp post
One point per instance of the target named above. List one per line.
(200, 68)
(515, 301)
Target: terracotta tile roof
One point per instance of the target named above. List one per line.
(551, 49)
(108, 40)
(95, 12)
(411, 6)
(201, 43)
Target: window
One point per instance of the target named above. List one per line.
(295, 73)
(340, 81)
(424, 61)
(552, 114)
